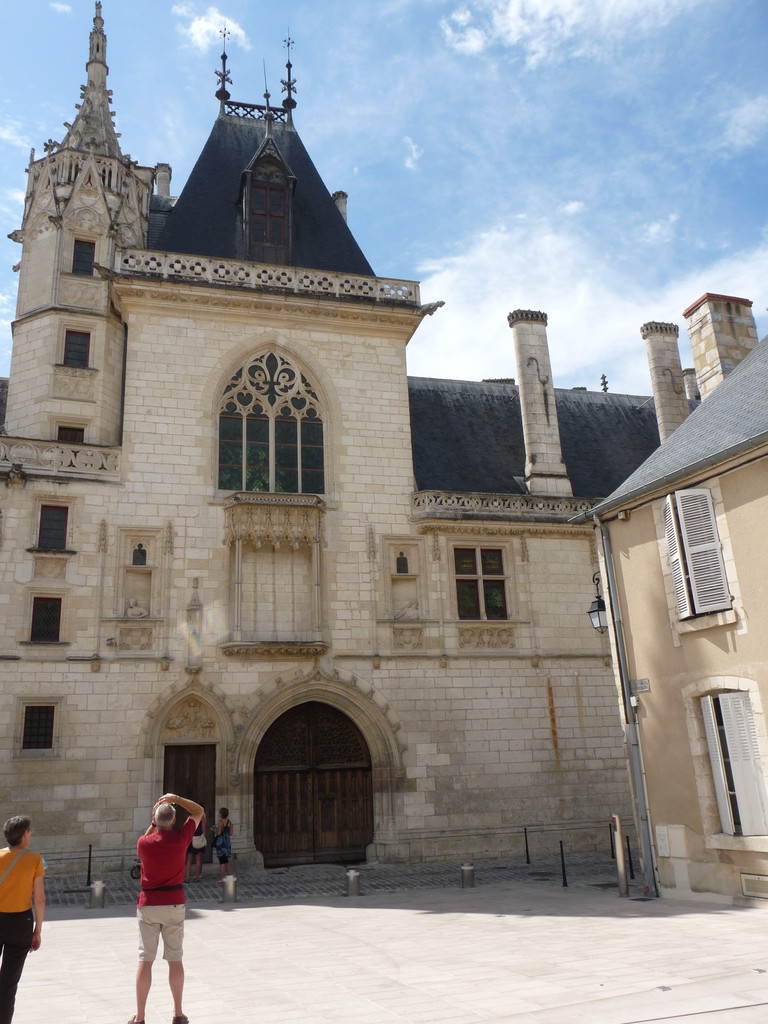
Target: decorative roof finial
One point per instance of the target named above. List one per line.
(603, 382)
(288, 83)
(268, 115)
(223, 76)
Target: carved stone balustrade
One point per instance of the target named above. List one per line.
(264, 277)
(54, 459)
(431, 505)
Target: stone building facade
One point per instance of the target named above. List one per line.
(245, 557)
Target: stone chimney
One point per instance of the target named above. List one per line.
(340, 198)
(163, 180)
(722, 331)
(545, 471)
(689, 383)
(667, 380)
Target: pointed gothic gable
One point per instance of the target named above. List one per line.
(207, 219)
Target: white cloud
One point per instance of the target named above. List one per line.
(61, 8)
(542, 27)
(595, 311)
(660, 230)
(413, 151)
(572, 208)
(462, 35)
(746, 124)
(13, 132)
(203, 31)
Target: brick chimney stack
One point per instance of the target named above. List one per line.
(545, 471)
(667, 381)
(722, 331)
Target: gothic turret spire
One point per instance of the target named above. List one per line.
(93, 128)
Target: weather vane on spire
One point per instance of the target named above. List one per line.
(222, 95)
(288, 83)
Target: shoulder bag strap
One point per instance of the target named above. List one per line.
(12, 865)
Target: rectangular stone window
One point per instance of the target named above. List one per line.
(77, 346)
(70, 435)
(38, 727)
(83, 257)
(46, 620)
(480, 583)
(52, 534)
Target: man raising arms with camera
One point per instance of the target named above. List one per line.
(161, 904)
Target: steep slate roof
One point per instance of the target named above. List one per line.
(734, 418)
(468, 436)
(206, 220)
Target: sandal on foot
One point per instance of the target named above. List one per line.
(180, 1020)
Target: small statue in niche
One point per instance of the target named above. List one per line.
(136, 610)
(139, 555)
(401, 564)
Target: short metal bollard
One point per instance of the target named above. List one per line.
(467, 876)
(353, 882)
(621, 869)
(97, 895)
(230, 889)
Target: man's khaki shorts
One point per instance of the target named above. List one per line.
(157, 921)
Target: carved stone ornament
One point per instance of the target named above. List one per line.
(486, 637)
(290, 519)
(78, 382)
(274, 649)
(407, 638)
(135, 638)
(50, 567)
(190, 722)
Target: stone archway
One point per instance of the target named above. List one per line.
(370, 715)
(313, 800)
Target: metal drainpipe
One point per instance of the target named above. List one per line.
(637, 773)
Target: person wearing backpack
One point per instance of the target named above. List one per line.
(21, 885)
(223, 841)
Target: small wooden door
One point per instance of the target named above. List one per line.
(312, 789)
(190, 771)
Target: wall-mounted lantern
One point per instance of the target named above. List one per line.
(598, 616)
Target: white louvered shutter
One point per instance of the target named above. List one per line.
(718, 769)
(747, 769)
(684, 606)
(706, 571)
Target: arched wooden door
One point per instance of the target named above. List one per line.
(312, 789)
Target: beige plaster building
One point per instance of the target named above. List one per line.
(685, 558)
(245, 557)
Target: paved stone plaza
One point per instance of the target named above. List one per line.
(414, 948)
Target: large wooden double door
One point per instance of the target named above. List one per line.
(312, 789)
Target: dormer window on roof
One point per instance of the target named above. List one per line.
(267, 207)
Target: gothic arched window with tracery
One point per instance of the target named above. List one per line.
(271, 430)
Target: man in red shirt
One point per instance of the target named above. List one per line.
(163, 850)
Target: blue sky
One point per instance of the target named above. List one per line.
(602, 160)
